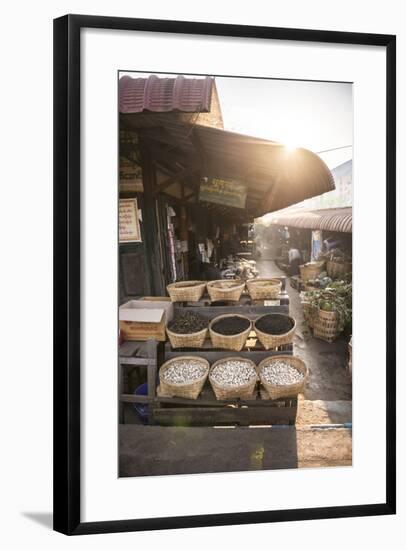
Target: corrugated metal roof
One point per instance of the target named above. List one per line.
(276, 177)
(163, 95)
(328, 219)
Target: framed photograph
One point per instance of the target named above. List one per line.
(224, 332)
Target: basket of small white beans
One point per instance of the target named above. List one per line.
(233, 377)
(283, 375)
(183, 377)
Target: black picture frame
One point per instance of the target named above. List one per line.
(67, 273)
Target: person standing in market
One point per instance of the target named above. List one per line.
(295, 259)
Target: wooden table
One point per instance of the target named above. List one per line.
(281, 302)
(206, 409)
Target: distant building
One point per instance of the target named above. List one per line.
(342, 194)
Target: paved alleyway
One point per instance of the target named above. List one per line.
(155, 450)
(329, 379)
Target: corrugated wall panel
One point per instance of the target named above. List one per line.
(155, 94)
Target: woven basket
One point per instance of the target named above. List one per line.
(310, 287)
(225, 290)
(337, 270)
(325, 325)
(236, 341)
(186, 291)
(264, 289)
(309, 313)
(190, 390)
(311, 270)
(244, 391)
(291, 390)
(192, 340)
(275, 340)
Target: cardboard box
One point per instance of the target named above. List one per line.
(143, 319)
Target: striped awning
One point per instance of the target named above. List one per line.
(328, 219)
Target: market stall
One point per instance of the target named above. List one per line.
(326, 280)
(324, 240)
(203, 341)
(235, 341)
(197, 186)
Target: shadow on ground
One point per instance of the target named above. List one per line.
(155, 450)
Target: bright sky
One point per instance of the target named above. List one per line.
(314, 115)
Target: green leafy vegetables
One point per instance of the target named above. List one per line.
(336, 297)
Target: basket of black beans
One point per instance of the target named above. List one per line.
(187, 330)
(275, 329)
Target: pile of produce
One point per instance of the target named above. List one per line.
(280, 373)
(321, 281)
(336, 297)
(274, 323)
(230, 326)
(187, 323)
(337, 255)
(266, 283)
(227, 284)
(188, 284)
(233, 373)
(183, 372)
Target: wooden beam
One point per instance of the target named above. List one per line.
(190, 195)
(169, 155)
(178, 177)
(165, 151)
(197, 143)
(151, 245)
(211, 416)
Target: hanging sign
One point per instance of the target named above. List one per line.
(129, 224)
(226, 192)
(130, 176)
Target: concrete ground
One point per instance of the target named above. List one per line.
(329, 379)
(154, 450)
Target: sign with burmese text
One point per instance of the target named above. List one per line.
(226, 192)
(129, 225)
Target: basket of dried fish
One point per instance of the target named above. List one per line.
(227, 290)
(264, 289)
(186, 291)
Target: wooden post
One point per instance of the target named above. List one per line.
(121, 390)
(153, 256)
(152, 353)
(184, 231)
